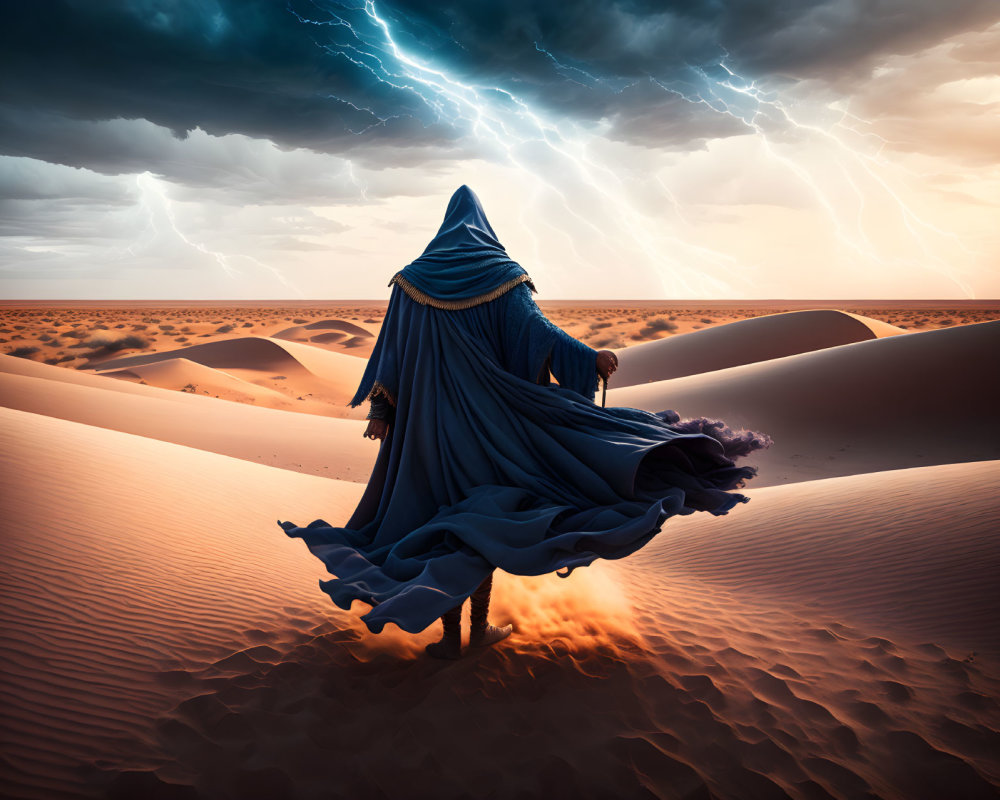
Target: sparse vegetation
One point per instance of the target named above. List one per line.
(657, 325)
(102, 345)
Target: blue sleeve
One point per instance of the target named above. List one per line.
(574, 364)
(532, 342)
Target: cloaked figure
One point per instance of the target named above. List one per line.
(484, 463)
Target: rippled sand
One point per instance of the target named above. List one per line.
(837, 636)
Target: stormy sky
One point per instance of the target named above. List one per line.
(300, 149)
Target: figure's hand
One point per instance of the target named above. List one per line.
(377, 429)
(607, 363)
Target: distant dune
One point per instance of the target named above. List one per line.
(257, 353)
(325, 381)
(744, 342)
(332, 325)
(182, 373)
(888, 403)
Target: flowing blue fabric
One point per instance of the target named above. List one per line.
(487, 465)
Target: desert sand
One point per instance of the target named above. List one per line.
(838, 636)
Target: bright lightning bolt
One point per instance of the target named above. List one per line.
(559, 160)
(512, 128)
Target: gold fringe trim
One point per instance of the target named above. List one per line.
(379, 389)
(453, 305)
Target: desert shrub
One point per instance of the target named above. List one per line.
(224, 329)
(22, 352)
(103, 344)
(658, 325)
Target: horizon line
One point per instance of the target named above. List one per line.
(604, 300)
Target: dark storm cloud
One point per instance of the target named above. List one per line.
(231, 66)
(634, 39)
(320, 75)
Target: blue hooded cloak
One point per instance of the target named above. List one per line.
(486, 463)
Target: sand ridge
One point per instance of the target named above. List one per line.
(308, 443)
(275, 365)
(886, 403)
(744, 342)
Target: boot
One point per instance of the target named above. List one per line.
(450, 645)
(482, 632)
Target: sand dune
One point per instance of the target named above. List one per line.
(259, 353)
(180, 374)
(338, 335)
(339, 325)
(306, 332)
(745, 341)
(119, 556)
(316, 380)
(912, 550)
(34, 369)
(304, 443)
(161, 632)
(329, 338)
(921, 399)
(298, 333)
